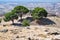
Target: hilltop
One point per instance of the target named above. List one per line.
(49, 31)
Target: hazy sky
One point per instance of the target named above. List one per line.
(32, 0)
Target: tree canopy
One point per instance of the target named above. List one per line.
(10, 16)
(39, 13)
(20, 9)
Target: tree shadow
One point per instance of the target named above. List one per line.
(17, 24)
(45, 21)
(28, 18)
(20, 20)
(52, 15)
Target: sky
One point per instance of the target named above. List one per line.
(30, 0)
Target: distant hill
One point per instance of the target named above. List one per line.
(52, 8)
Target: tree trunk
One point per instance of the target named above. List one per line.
(12, 21)
(21, 16)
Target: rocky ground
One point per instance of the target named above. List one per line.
(49, 31)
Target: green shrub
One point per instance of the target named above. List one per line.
(0, 20)
(26, 23)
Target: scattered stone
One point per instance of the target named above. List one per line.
(46, 30)
(4, 25)
(32, 39)
(17, 36)
(34, 35)
(11, 30)
(55, 33)
(14, 31)
(36, 28)
(29, 38)
(41, 35)
(12, 39)
(22, 37)
(4, 30)
(20, 30)
(28, 27)
(37, 39)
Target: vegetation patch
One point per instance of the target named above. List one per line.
(26, 23)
